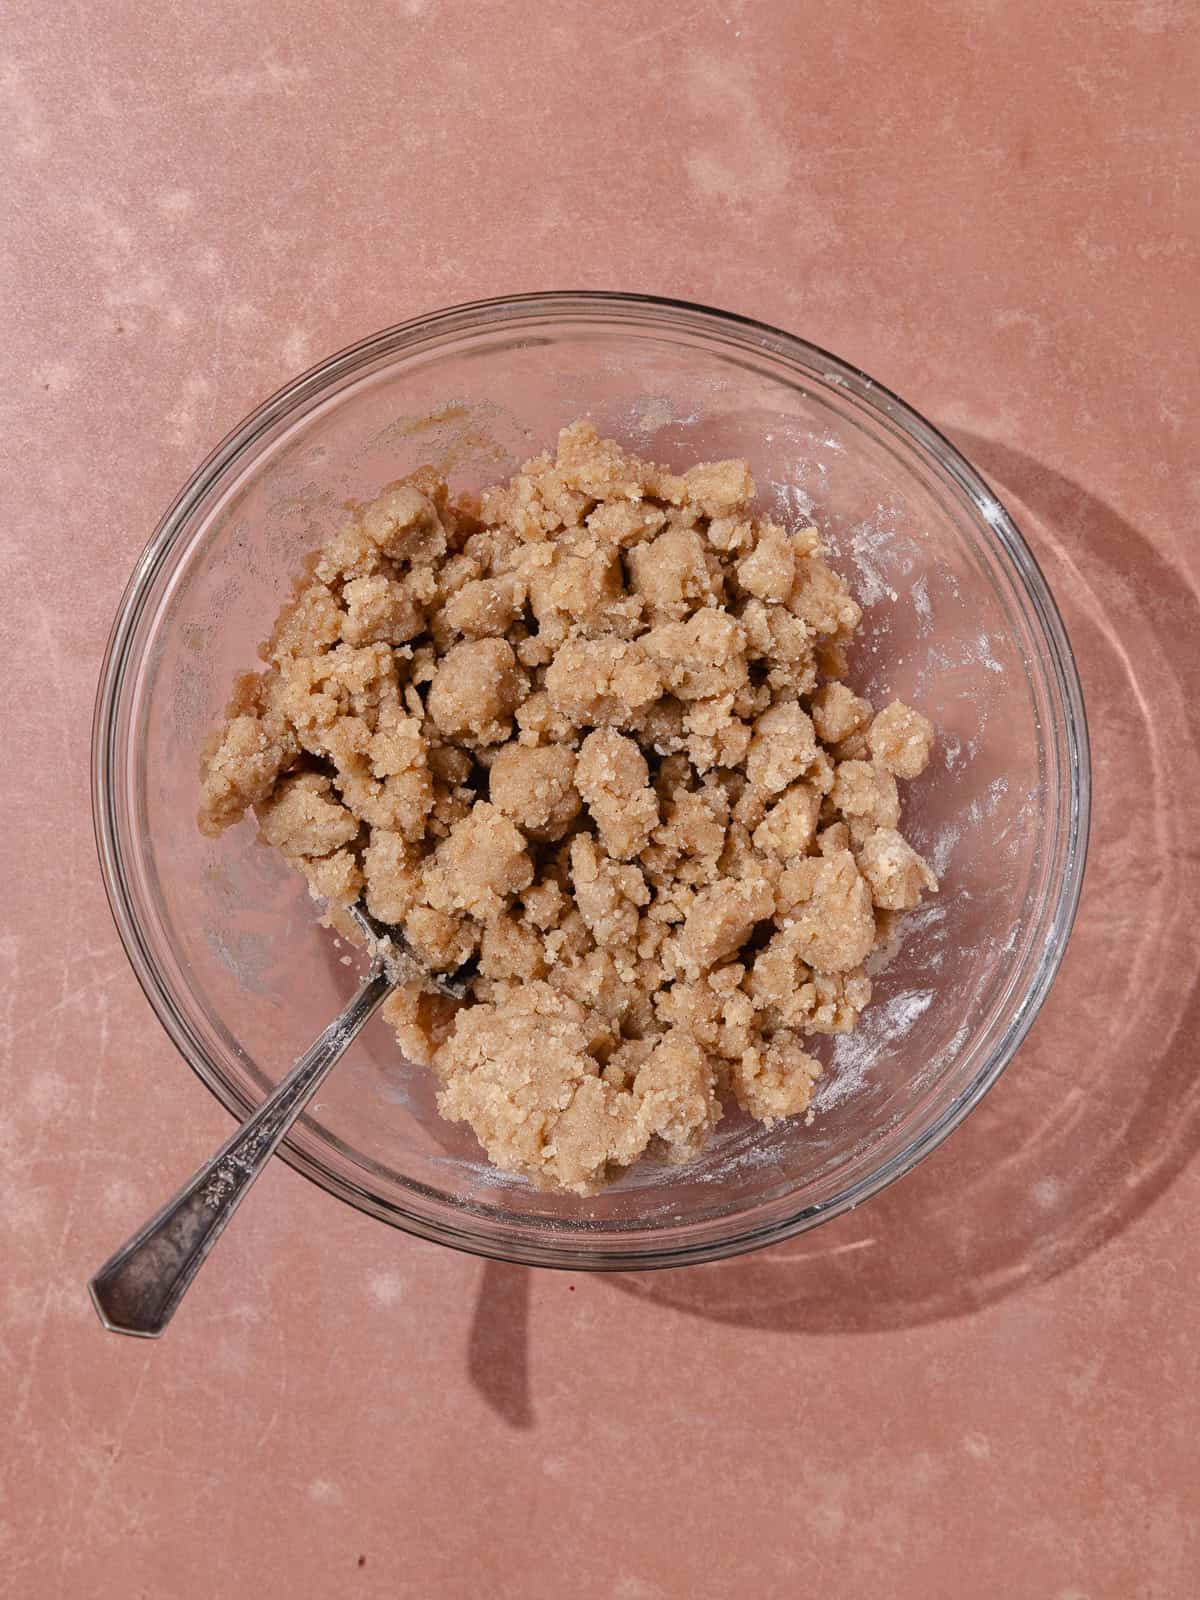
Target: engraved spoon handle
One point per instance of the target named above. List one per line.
(137, 1290)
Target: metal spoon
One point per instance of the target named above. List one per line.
(137, 1290)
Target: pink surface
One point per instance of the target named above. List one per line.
(984, 1381)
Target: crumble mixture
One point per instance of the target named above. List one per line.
(588, 733)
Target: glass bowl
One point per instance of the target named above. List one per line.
(958, 620)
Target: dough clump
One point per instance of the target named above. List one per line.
(588, 733)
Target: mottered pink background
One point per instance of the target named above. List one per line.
(985, 1380)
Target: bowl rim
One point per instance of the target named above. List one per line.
(634, 1250)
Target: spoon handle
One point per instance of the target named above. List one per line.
(136, 1290)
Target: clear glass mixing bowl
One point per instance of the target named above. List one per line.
(958, 620)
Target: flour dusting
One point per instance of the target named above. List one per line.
(942, 849)
(921, 603)
(797, 501)
(854, 1053)
(867, 551)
